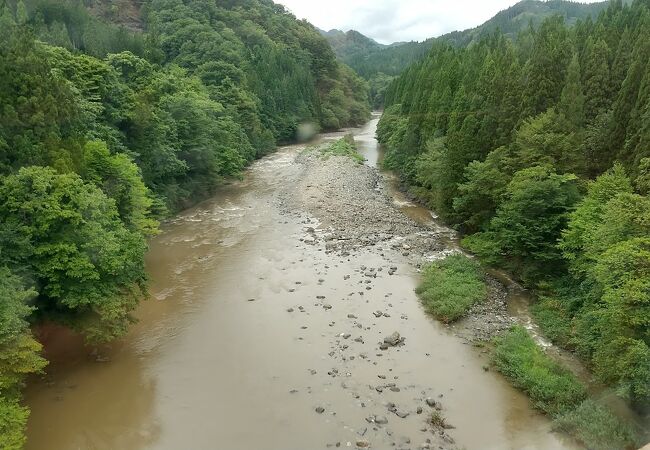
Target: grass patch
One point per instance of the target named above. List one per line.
(556, 391)
(552, 388)
(451, 286)
(438, 421)
(342, 147)
(597, 428)
(554, 320)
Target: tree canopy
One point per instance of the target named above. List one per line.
(112, 118)
(535, 147)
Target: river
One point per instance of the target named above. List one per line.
(235, 351)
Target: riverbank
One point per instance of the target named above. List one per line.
(284, 316)
(618, 426)
(358, 212)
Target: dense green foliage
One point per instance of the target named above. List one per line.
(18, 357)
(537, 149)
(379, 63)
(104, 129)
(519, 16)
(597, 428)
(557, 392)
(552, 388)
(69, 239)
(451, 286)
(70, 24)
(93, 149)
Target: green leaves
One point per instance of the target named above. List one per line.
(87, 264)
(342, 147)
(623, 355)
(19, 352)
(504, 140)
(19, 357)
(528, 223)
(552, 388)
(13, 423)
(597, 428)
(451, 286)
(270, 71)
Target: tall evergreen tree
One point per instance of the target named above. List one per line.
(572, 99)
(596, 78)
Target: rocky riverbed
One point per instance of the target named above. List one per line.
(355, 211)
(283, 316)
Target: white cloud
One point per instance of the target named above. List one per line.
(390, 21)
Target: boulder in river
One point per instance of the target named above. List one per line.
(394, 339)
(432, 403)
(380, 420)
(401, 413)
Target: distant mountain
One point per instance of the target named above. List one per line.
(351, 44)
(516, 18)
(369, 58)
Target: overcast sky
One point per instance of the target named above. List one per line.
(390, 21)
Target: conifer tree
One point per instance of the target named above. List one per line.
(596, 78)
(572, 100)
(21, 13)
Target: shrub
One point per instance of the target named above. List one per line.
(342, 147)
(13, 420)
(554, 320)
(552, 388)
(597, 428)
(451, 286)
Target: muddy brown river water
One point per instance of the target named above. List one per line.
(235, 349)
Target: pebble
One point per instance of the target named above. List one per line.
(431, 402)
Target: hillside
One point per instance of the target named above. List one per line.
(369, 58)
(351, 43)
(105, 129)
(537, 150)
(518, 17)
(126, 13)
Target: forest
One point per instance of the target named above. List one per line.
(538, 150)
(106, 130)
(379, 64)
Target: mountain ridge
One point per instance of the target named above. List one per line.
(395, 57)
